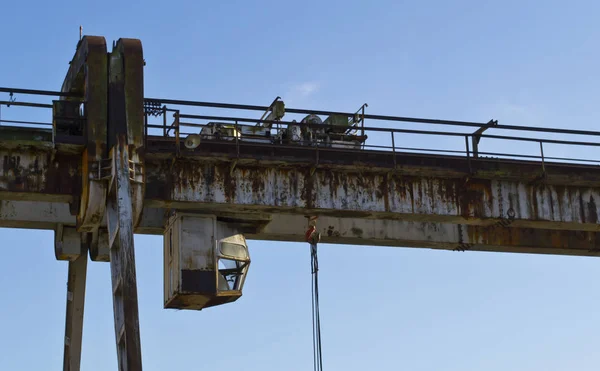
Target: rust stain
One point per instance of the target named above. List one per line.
(472, 197)
(383, 192)
(419, 200)
(411, 191)
(527, 237)
(62, 174)
(581, 207)
(331, 232)
(292, 181)
(357, 232)
(560, 195)
(592, 210)
(229, 182)
(534, 204)
(550, 201)
(359, 190)
(307, 190)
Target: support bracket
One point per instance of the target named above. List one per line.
(67, 243)
(476, 137)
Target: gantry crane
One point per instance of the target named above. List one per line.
(231, 178)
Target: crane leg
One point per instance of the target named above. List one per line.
(74, 313)
(125, 193)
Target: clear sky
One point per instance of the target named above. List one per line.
(524, 63)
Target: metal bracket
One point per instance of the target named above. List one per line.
(101, 170)
(275, 112)
(67, 243)
(232, 167)
(98, 245)
(476, 136)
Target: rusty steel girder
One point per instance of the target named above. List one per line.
(39, 174)
(369, 193)
(88, 77)
(337, 230)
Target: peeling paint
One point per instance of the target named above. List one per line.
(389, 195)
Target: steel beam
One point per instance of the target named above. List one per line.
(38, 174)
(442, 236)
(565, 202)
(365, 193)
(339, 230)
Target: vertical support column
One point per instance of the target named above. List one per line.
(87, 75)
(122, 263)
(125, 193)
(68, 245)
(75, 307)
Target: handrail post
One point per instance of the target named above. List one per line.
(475, 141)
(164, 115)
(468, 153)
(362, 125)
(145, 129)
(177, 142)
(393, 149)
(542, 152)
(237, 143)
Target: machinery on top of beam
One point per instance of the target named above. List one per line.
(336, 131)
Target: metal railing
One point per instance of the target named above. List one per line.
(175, 124)
(184, 124)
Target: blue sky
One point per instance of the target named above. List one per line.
(524, 63)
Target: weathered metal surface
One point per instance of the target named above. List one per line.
(120, 213)
(74, 314)
(38, 174)
(355, 231)
(193, 278)
(122, 263)
(127, 59)
(368, 194)
(12, 137)
(34, 214)
(99, 249)
(87, 76)
(41, 175)
(407, 164)
(67, 243)
(458, 237)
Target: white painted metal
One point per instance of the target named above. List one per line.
(67, 243)
(189, 245)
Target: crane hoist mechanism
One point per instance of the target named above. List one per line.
(336, 131)
(313, 237)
